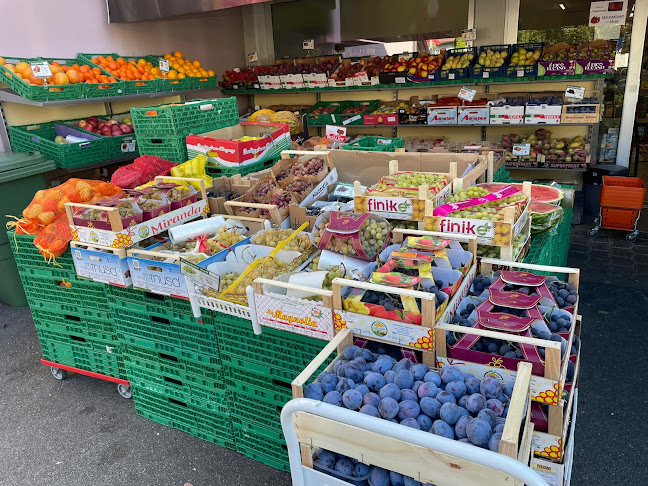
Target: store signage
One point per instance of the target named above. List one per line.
(294, 315)
(337, 134)
(467, 94)
(575, 92)
(253, 56)
(308, 44)
(521, 149)
(469, 34)
(608, 13)
(164, 65)
(41, 69)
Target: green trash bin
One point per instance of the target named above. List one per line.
(21, 175)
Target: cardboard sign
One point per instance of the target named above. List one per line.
(41, 69)
(308, 44)
(294, 315)
(575, 92)
(608, 13)
(164, 65)
(521, 149)
(337, 134)
(466, 94)
(253, 56)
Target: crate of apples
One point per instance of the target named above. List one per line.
(107, 128)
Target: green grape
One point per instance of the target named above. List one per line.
(227, 280)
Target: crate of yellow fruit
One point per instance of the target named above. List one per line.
(184, 73)
(17, 74)
(524, 60)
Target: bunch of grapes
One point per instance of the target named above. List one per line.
(245, 209)
(269, 269)
(224, 193)
(314, 265)
(479, 212)
(195, 258)
(274, 236)
(225, 238)
(467, 194)
(280, 176)
(184, 247)
(417, 179)
(564, 294)
(399, 223)
(372, 237)
(299, 186)
(334, 272)
(263, 189)
(387, 301)
(281, 200)
(227, 280)
(309, 167)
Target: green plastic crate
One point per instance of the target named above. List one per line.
(167, 84)
(263, 417)
(258, 447)
(211, 394)
(97, 325)
(64, 324)
(91, 90)
(257, 426)
(167, 331)
(193, 418)
(121, 296)
(204, 82)
(279, 354)
(357, 118)
(198, 116)
(502, 175)
(128, 86)
(37, 93)
(62, 287)
(333, 118)
(27, 255)
(79, 351)
(176, 365)
(168, 148)
(117, 147)
(217, 171)
(376, 144)
(40, 138)
(263, 387)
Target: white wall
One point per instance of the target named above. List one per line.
(62, 28)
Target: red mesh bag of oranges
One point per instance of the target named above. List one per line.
(46, 217)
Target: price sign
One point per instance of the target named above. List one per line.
(128, 146)
(164, 65)
(575, 92)
(337, 134)
(521, 149)
(253, 56)
(41, 69)
(469, 34)
(308, 44)
(467, 94)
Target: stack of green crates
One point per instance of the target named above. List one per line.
(173, 364)
(70, 315)
(162, 130)
(259, 371)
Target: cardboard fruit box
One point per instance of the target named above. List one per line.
(221, 147)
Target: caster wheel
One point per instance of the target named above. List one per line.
(125, 391)
(631, 237)
(592, 233)
(58, 373)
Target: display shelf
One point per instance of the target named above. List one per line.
(545, 168)
(464, 125)
(8, 96)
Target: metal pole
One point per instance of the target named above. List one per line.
(633, 80)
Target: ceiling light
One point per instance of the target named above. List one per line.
(562, 5)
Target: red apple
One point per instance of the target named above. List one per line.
(105, 130)
(100, 125)
(92, 121)
(123, 127)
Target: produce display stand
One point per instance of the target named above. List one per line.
(309, 423)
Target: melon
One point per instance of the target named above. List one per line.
(539, 193)
(261, 116)
(290, 119)
(544, 217)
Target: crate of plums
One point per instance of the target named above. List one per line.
(585, 110)
(508, 109)
(534, 319)
(544, 108)
(400, 385)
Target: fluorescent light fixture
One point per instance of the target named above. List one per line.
(562, 5)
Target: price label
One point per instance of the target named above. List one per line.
(575, 92)
(308, 44)
(521, 149)
(469, 34)
(451, 75)
(129, 146)
(41, 69)
(383, 141)
(399, 80)
(164, 65)
(337, 134)
(467, 94)
(253, 56)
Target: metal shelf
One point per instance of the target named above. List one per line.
(471, 125)
(9, 96)
(545, 169)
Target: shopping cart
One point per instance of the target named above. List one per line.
(622, 199)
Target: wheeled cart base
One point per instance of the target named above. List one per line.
(60, 372)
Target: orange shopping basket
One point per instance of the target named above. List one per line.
(622, 199)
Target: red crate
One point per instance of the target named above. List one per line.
(623, 192)
(621, 219)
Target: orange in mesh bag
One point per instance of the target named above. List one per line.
(45, 215)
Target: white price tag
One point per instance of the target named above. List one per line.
(375, 80)
(253, 56)
(575, 92)
(383, 141)
(308, 44)
(469, 34)
(451, 75)
(337, 134)
(400, 80)
(467, 94)
(520, 149)
(128, 146)
(164, 65)
(520, 74)
(351, 120)
(41, 69)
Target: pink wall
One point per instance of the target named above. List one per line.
(62, 28)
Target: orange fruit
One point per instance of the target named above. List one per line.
(182, 75)
(2, 61)
(155, 71)
(167, 56)
(10, 67)
(20, 66)
(178, 54)
(141, 62)
(172, 74)
(61, 78)
(55, 69)
(96, 71)
(26, 72)
(34, 80)
(73, 76)
(211, 73)
(196, 63)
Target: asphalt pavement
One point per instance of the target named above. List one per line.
(80, 432)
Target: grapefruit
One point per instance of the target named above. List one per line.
(61, 78)
(539, 193)
(73, 76)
